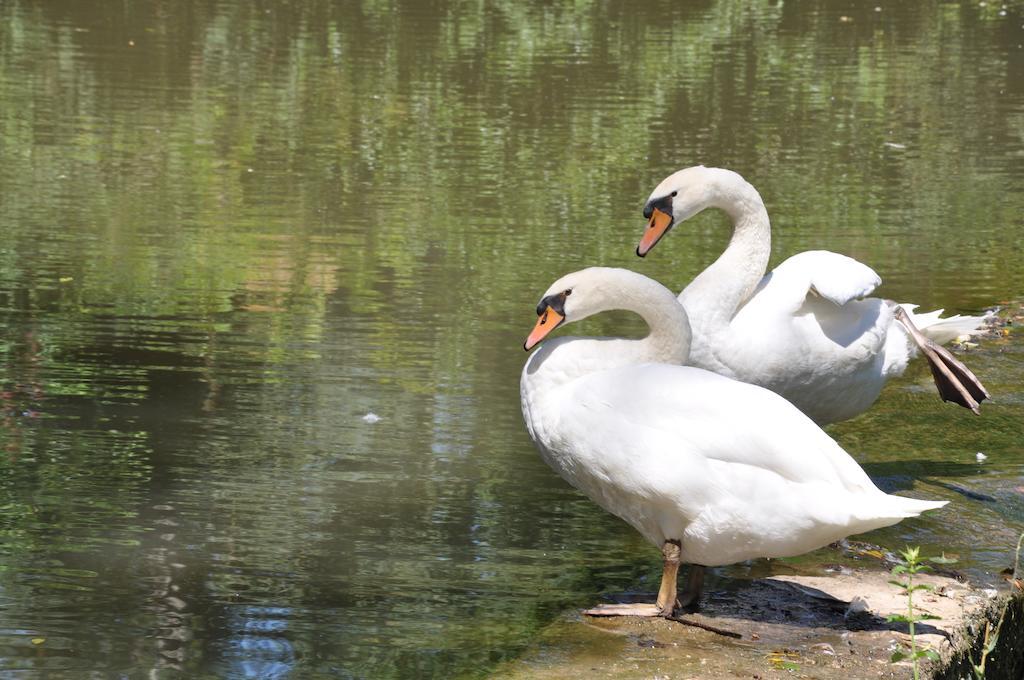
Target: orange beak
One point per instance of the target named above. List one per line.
(545, 324)
(656, 228)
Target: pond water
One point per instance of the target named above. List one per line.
(232, 230)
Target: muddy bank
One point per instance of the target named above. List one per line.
(796, 626)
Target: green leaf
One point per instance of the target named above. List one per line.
(898, 655)
(931, 654)
(911, 554)
(900, 618)
(943, 560)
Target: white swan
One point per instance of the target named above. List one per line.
(712, 470)
(804, 330)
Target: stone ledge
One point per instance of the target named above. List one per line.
(790, 627)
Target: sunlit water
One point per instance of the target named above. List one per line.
(231, 230)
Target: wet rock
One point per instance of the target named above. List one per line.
(1001, 622)
(858, 614)
(824, 626)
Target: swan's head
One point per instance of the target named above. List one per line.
(571, 298)
(679, 197)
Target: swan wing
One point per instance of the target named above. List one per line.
(658, 417)
(816, 273)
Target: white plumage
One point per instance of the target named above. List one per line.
(806, 330)
(729, 470)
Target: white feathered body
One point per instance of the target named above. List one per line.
(809, 333)
(731, 470)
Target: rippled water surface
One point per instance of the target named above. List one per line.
(229, 231)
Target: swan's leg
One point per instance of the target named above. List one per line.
(694, 585)
(956, 382)
(666, 594)
(690, 600)
(670, 551)
(667, 604)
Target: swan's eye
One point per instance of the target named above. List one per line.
(673, 194)
(568, 292)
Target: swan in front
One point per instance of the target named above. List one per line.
(711, 470)
(805, 330)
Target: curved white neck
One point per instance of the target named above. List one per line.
(667, 342)
(721, 289)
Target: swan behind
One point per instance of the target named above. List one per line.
(806, 330)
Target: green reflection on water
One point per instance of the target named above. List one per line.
(231, 229)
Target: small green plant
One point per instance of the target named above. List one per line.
(911, 565)
(989, 644)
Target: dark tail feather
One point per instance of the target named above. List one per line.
(956, 382)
